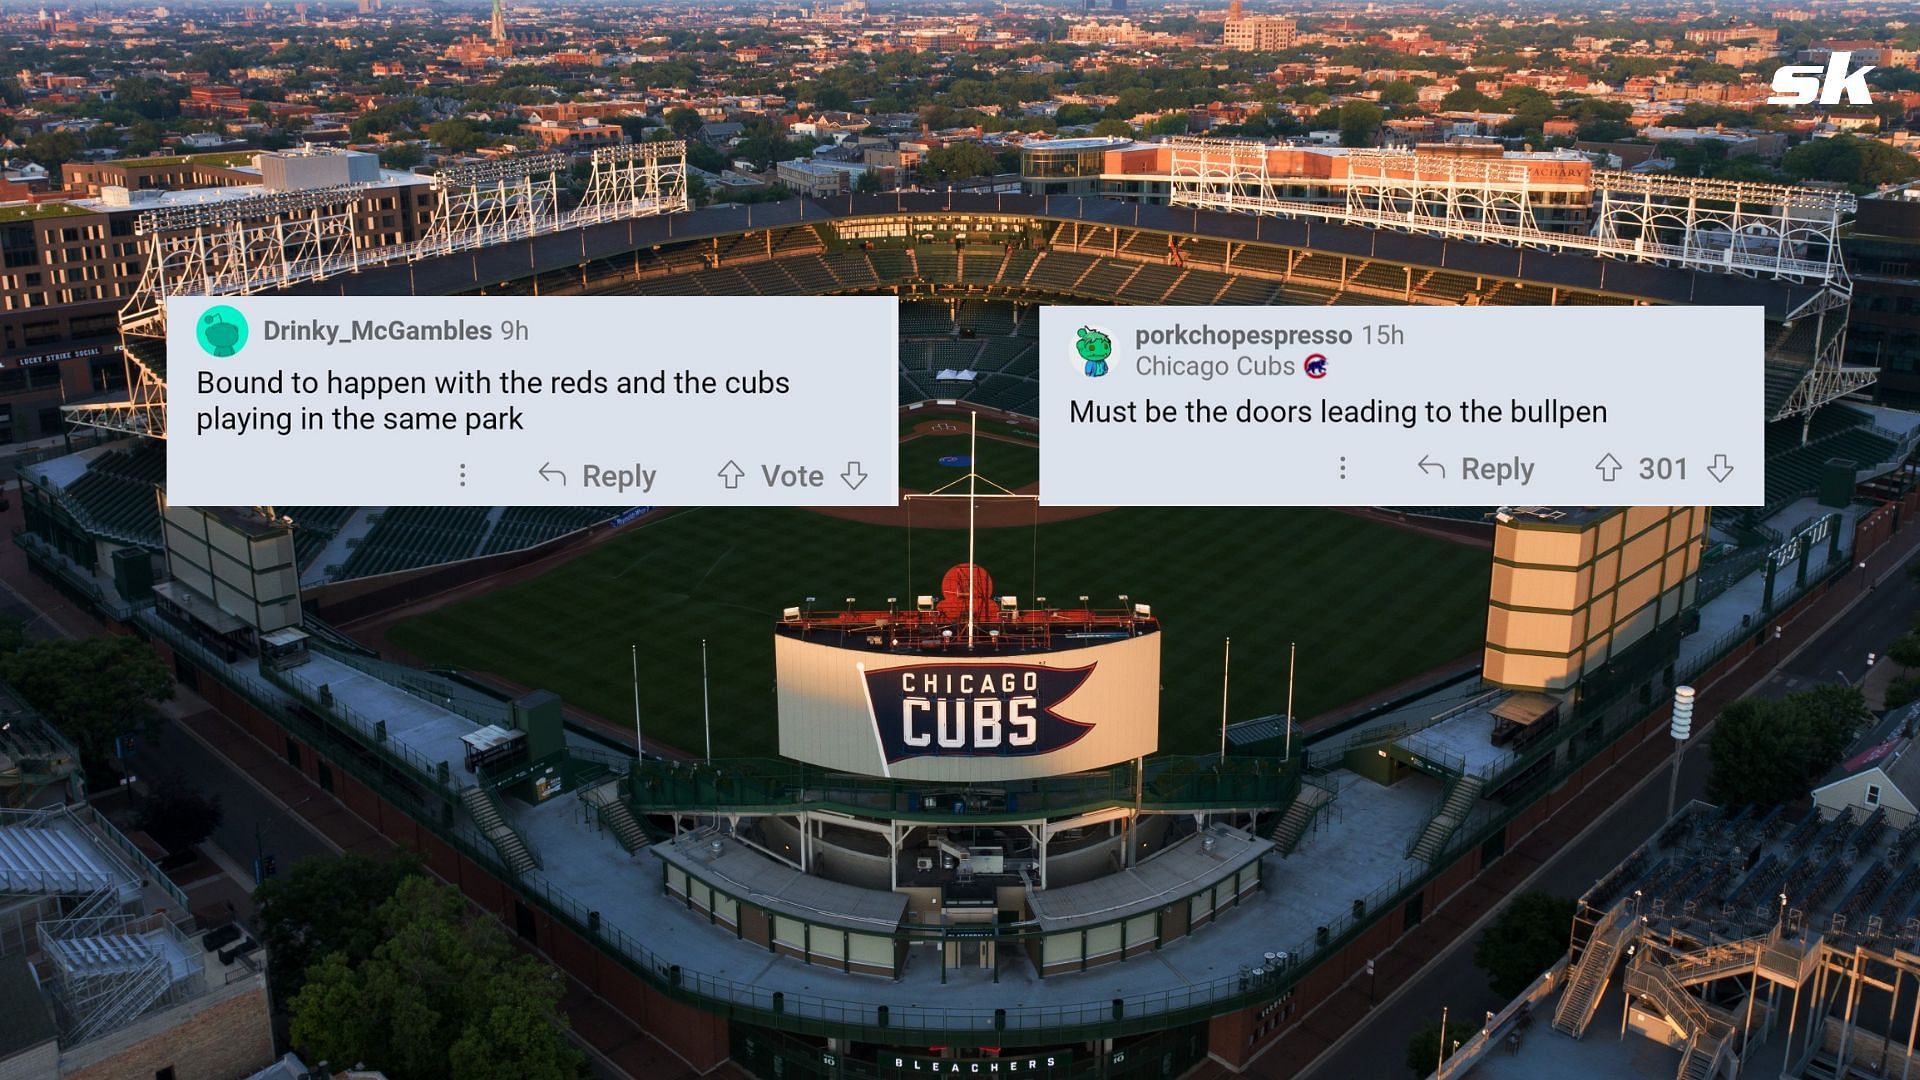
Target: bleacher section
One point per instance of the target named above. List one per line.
(313, 527)
(526, 526)
(1835, 431)
(405, 537)
(115, 496)
(44, 856)
(996, 340)
(408, 537)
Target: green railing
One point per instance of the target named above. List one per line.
(1170, 782)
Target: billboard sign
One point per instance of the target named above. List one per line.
(968, 717)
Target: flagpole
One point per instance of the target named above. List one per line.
(973, 476)
(1226, 661)
(640, 744)
(706, 700)
(1287, 754)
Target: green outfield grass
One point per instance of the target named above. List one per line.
(1370, 605)
(1009, 465)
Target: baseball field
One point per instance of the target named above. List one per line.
(1369, 604)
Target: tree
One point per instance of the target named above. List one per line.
(1845, 159)
(401, 155)
(1173, 123)
(1359, 119)
(1905, 650)
(51, 148)
(1399, 92)
(960, 161)
(442, 991)
(1114, 127)
(94, 690)
(322, 907)
(1424, 1050)
(1466, 99)
(868, 183)
(178, 818)
(1837, 714)
(685, 122)
(457, 136)
(1763, 752)
(1524, 941)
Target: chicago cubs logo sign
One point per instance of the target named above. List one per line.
(973, 710)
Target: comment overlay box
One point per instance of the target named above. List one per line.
(1289, 406)
(532, 401)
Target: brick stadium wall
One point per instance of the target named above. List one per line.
(212, 1037)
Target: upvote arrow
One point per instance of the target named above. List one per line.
(1609, 467)
(731, 473)
(1720, 469)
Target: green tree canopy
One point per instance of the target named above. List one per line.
(1769, 751)
(458, 136)
(1849, 159)
(685, 122)
(1359, 119)
(324, 906)
(960, 161)
(94, 690)
(1523, 941)
(1425, 1048)
(442, 993)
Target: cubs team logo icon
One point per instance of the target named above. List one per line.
(1094, 346)
(974, 710)
(1316, 366)
(221, 330)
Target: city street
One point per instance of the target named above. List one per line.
(1377, 1048)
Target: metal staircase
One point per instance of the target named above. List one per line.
(1709, 1039)
(1716, 962)
(1588, 978)
(627, 830)
(1455, 804)
(1299, 816)
(114, 967)
(484, 805)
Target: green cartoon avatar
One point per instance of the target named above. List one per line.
(1094, 347)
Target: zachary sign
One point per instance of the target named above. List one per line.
(974, 709)
(968, 715)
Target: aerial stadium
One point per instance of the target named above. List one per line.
(995, 804)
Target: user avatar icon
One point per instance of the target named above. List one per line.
(222, 330)
(1094, 346)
